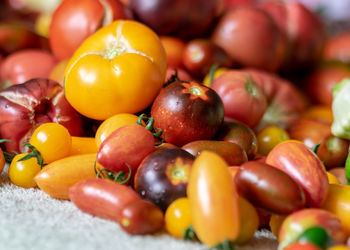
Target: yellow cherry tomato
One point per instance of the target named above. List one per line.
(249, 221)
(332, 179)
(178, 217)
(338, 202)
(111, 124)
(118, 69)
(52, 140)
(213, 200)
(21, 173)
(269, 137)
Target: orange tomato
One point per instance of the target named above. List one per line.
(332, 179)
(55, 178)
(111, 124)
(338, 202)
(83, 145)
(118, 69)
(213, 200)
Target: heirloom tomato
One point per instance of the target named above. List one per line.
(120, 68)
(213, 200)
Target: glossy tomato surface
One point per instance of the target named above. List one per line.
(120, 68)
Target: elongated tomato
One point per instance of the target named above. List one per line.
(101, 197)
(83, 145)
(213, 200)
(55, 178)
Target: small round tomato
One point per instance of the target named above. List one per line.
(302, 246)
(178, 217)
(118, 69)
(270, 137)
(52, 140)
(21, 173)
(111, 124)
(275, 223)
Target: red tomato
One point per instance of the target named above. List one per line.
(101, 197)
(300, 163)
(24, 65)
(243, 99)
(75, 20)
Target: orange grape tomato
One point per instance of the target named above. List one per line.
(213, 200)
(83, 145)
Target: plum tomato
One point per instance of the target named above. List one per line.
(52, 140)
(119, 69)
(22, 173)
(178, 217)
(269, 137)
(187, 111)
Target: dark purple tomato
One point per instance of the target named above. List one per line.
(187, 111)
(162, 176)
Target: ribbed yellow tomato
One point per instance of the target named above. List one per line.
(120, 68)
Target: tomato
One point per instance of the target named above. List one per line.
(120, 68)
(319, 112)
(213, 200)
(178, 217)
(56, 177)
(21, 173)
(332, 179)
(66, 33)
(269, 137)
(52, 140)
(209, 78)
(141, 217)
(338, 202)
(111, 124)
(83, 145)
(276, 222)
(338, 247)
(302, 246)
(174, 47)
(57, 71)
(243, 99)
(249, 221)
(26, 64)
(101, 197)
(299, 162)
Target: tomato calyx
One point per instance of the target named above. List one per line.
(212, 71)
(120, 177)
(34, 153)
(149, 121)
(189, 234)
(316, 147)
(224, 245)
(8, 157)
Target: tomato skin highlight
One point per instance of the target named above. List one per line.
(213, 200)
(101, 197)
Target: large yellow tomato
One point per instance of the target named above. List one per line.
(118, 69)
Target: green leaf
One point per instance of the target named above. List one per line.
(347, 168)
(224, 245)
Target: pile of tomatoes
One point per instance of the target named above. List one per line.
(211, 121)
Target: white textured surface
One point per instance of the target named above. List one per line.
(31, 220)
